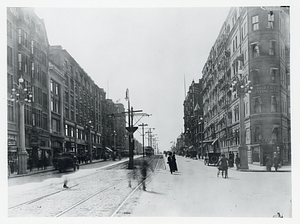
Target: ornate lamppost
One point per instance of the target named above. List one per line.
(22, 94)
(243, 87)
(201, 134)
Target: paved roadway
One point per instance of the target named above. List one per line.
(196, 191)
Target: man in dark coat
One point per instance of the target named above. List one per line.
(223, 166)
(170, 162)
(174, 162)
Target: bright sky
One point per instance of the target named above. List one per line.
(147, 50)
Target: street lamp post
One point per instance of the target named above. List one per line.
(22, 94)
(243, 88)
(201, 133)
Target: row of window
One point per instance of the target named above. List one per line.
(274, 77)
(24, 40)
(255, 21)
(35, 117)
(80, 134)
(28, 67)
(274, 107)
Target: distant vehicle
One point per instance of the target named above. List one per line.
(192, 154)
(66, 160)
(149, 151)
(211, 158)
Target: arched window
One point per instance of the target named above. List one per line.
(254, 76)
(257, 105)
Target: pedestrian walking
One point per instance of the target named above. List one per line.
(237, 161)
(144, 168)
(231, 159)
(65, 183)
(30, 162)
(174, 162)
(268, 163)
(40, 162)
(223, 166)
(276, 161)
(170, 162)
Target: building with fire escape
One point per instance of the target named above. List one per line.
(246, 89)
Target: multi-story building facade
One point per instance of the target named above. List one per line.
(82, 101)
(180, 144)
(63, 108)
(246, 85)
(27, 58)
(193, 113)
(56, 90)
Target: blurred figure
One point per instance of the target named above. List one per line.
(144, 168)
(131, 175)
(237, 161)
(40, 162)
(276, 161)
(268, 163)
(30, 162)
(65, 183)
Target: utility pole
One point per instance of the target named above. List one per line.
(131, 129)
(143, 125)
(150, 136)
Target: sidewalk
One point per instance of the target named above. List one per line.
(48, 169)
(51, 168)
(257, 168)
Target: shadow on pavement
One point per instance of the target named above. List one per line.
(153, 192)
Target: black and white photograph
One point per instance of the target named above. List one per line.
(140, 110)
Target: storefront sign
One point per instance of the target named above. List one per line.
(266, 89)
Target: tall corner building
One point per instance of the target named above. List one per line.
(246, 85)
(27, 58)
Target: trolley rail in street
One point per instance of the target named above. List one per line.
(93, 197)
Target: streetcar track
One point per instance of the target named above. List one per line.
(41, 197)
(132, 192)
(107, 188)
(82, 201)
(109, 167)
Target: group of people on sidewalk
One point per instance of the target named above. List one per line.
(172, 162)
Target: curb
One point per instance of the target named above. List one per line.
(29, 173)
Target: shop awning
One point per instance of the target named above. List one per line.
(108, 149)
(215, 141)
(212, 141)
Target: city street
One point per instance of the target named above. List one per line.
(196, 191)
(193, 191)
